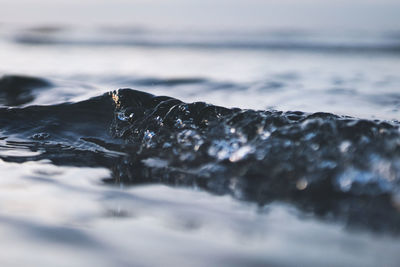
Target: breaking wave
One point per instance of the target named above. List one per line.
(332, 166)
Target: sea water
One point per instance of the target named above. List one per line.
(75, 193)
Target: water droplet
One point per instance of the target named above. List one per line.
(147, 138)
(124, 117)
(301, 184)
(40, 136)
(179, 123)
(265, 135)
(223, 149)
(241, 153)
(367, 182)
(315, 147)
(344, 146)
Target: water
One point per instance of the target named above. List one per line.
(289, 155)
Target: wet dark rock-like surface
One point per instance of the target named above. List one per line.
(336, 167)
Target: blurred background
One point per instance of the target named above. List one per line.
(206, 14)
(308, 55)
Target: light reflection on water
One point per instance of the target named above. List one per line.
(63, 216)
(363, 85)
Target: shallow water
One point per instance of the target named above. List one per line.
(261, 175)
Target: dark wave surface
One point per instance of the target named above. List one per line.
(18, 90)
(333, 166)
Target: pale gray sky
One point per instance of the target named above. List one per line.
(338, 14)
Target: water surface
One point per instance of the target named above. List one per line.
(257, 146)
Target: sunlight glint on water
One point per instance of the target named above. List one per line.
(309, 55)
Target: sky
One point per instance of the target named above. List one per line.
(246, 14)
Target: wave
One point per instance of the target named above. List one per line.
(267, 45)
(17, 90)
(253, 40)
(326, 164)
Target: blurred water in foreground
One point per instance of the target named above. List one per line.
(311, 56)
